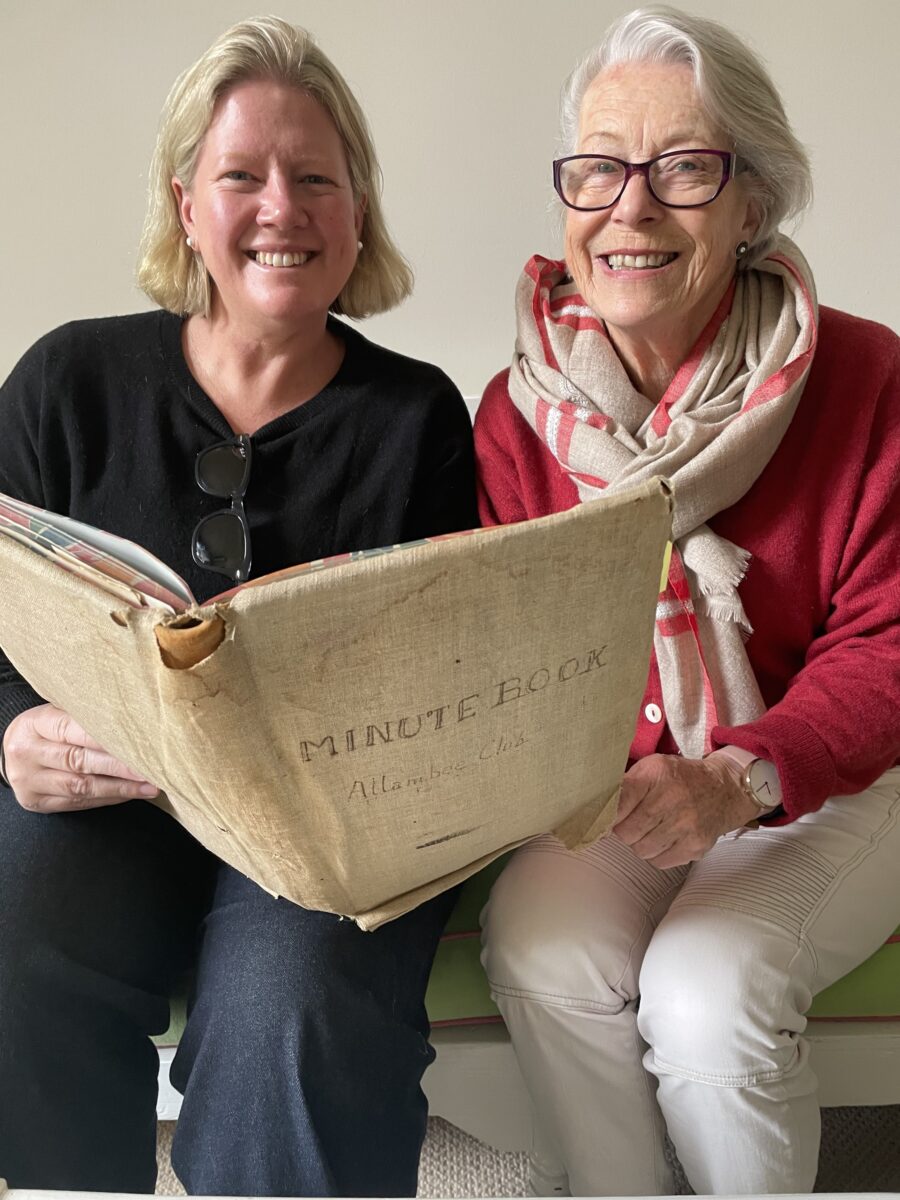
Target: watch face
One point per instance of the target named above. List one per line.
(764, 782)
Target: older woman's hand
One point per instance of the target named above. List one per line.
(671, 809)
(54, 766)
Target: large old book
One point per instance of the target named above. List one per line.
(358, 734)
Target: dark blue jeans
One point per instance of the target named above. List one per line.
(305, 1046)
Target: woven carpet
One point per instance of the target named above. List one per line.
(860, 1153)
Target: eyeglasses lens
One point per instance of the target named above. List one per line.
(687, 178)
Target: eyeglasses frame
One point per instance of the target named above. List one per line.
(236, 496)
(729, 161)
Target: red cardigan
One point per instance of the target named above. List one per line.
(823, 589)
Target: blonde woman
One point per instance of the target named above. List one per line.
(307, 1039)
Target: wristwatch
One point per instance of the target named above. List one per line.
(757, 776)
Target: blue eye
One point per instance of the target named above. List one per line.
(238, 176)
(690, 164)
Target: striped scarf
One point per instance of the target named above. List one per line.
(713, 432)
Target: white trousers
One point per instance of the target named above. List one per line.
(725, 956)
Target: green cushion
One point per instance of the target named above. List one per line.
(458, 991)
(177, 1020)
(473, 897)
(871, 991)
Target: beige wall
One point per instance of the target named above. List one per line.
(462, 97)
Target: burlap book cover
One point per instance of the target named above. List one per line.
(360, 738)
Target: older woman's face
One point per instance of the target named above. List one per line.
(635, 112)
(271, 208)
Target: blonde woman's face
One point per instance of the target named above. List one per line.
(271, 208)
(634, 112)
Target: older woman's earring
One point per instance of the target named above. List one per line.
(358, 246)
(190, 242)
(741, 249)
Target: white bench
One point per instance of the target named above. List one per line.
(475, 1082)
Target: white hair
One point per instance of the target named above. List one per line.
(736, 91)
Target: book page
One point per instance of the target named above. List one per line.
(75, 565)
(125, 563)
(338, 560)
(139, 577)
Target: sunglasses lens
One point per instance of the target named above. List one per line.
(222, 470)
(220, 543)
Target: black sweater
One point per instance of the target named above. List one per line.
(102, 420)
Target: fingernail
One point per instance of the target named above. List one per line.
(148, 789)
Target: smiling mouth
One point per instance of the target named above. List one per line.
(287, 259)
(637, 262)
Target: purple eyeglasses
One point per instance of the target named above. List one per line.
(677, 179)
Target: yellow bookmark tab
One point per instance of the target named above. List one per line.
(667, 558)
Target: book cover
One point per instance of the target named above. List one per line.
(359, 738)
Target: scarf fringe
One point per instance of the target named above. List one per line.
(718, 563)
(717, 568)
(727, 608)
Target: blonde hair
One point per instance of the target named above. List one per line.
(271, 49)
(734, 87)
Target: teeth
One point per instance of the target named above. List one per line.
(638, 262)
(280, 260)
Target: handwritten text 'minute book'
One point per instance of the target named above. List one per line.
(441, 717)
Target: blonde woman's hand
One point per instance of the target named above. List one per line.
(672, 809)
(54, 766)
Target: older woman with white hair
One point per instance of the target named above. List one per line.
(306, 1038)
(658, 981)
